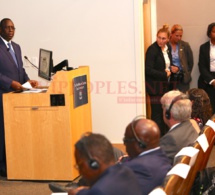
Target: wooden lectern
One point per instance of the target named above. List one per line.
(39, 136)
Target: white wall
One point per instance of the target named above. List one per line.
(98, 33)
(194, 16)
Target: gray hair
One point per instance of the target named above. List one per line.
(181, 110)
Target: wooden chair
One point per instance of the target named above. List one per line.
(201, 161)
(172, 183)
(176, 185)
(210, 135)
(202, 158)
(179, 186)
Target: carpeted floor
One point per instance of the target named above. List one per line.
(24, 187)
(41, 187)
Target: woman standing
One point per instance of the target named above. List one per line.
(182, 58)
(157, 74)
(207, 65)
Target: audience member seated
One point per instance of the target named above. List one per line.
(201, 106)
(95, 161)
(183, 131)
(146, 158)
(79, 181)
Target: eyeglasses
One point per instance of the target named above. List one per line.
(128, 140)
(9, 28)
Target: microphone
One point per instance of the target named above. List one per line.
(30, 62)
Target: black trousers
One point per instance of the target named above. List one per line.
(211, 93)
(2, 141)
(157, 113)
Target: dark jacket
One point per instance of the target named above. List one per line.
(150, 169)
(204, 65)
(116, 180)
(155, 74)
(8, 68)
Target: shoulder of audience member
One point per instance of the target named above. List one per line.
(195, 125)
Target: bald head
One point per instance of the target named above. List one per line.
(146, 131)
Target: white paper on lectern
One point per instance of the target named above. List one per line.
(189, 151)
(180, 169)
(30, 89)
(202, 139)
(27, 85)
(211, 124)
(33, 90)
(59, 193)
(157, 191)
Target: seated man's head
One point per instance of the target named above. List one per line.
(141, 135)
(176, 107)
(93, 154)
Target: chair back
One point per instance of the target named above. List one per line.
(178, 186)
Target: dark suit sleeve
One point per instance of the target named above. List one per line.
(204, 64)
(168, 144)
(90, 192)
(8, 69)
(5, 82)
(189, 54)
(153, 66)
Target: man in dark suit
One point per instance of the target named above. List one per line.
(95, 161)
(206, 65)
(12, 76)
(183, 131)
(146, 158)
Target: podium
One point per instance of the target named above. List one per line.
(40, 132)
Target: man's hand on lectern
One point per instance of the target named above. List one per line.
(33, 83)
(16, 85)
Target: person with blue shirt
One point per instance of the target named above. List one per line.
(182, 58)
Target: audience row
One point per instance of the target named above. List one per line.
(149, 157)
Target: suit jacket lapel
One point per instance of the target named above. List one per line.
(5, 50)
